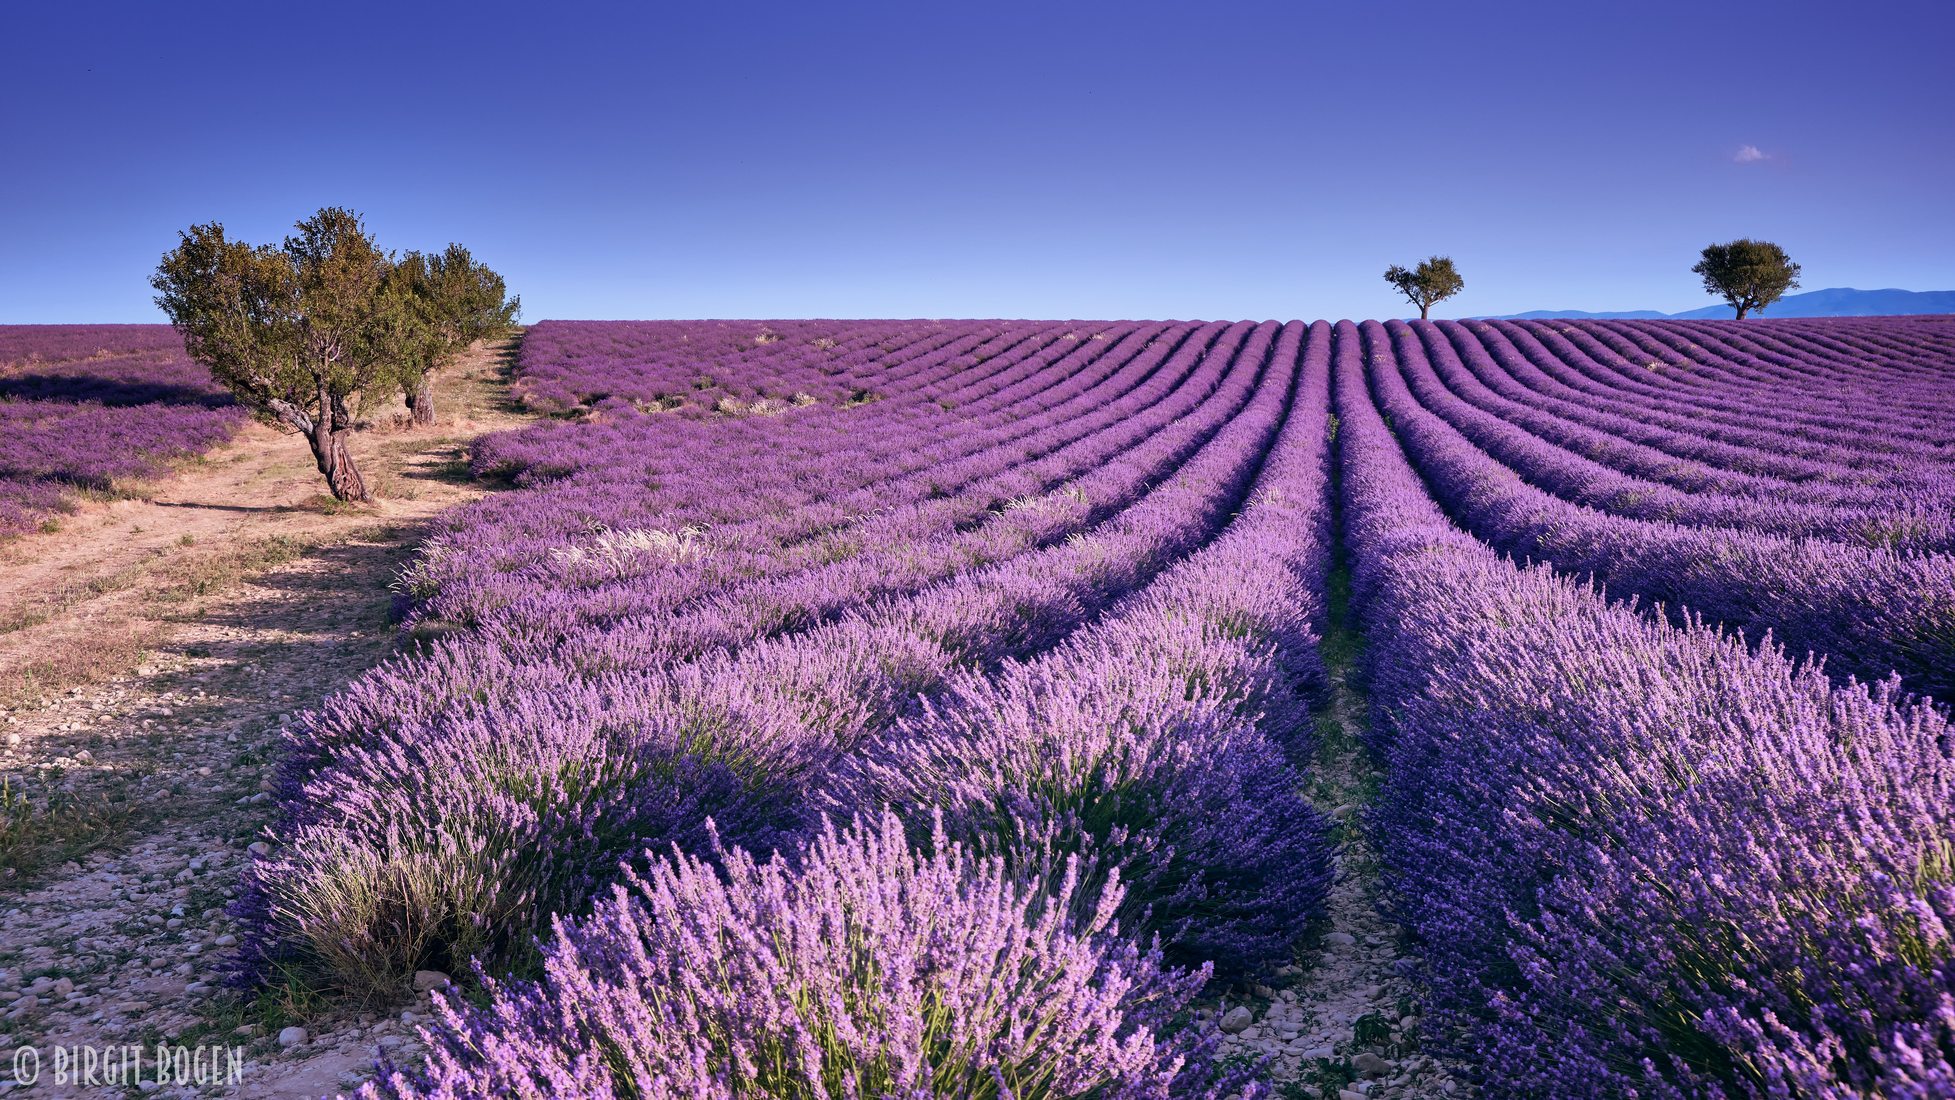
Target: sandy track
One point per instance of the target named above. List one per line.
(150, 651)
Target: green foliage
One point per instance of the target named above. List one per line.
(284, 327)
(1748, 274)
(293, 330)
(1434, 280)
(299, 330)
(454, 302)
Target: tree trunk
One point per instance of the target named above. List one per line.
(329, 450)
(1741, 313)
(336, 462)
(420, 401)
(1423, 310)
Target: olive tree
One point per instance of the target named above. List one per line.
(1748, 274)
(1434, 280)
(457, 301)
(296, 330)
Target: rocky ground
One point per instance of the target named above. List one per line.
(135, 784)
(1341, 1023)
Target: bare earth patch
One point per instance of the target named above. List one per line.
(151, 649)
(1341, 1022)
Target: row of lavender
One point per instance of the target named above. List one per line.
(1638, 860)
(1813, 388)
(1010, 667)
(1796, 562)
(1561, 438)
(714, 366)
(84, 406)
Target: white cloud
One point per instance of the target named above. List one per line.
(1750, 154)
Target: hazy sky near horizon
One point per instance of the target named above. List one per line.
(1215, 160)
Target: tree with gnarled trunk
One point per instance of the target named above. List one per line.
(295, 331)
(458, 302)
(1435, 280)
(1748, 274)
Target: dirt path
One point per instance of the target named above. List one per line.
(150, 651)
(1341, 1023)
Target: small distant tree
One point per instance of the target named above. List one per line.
(1435, 280)
(1748, 274)
(296, 330)
(457, 301)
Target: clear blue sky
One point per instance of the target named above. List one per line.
(923, 159)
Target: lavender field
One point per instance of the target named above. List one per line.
(83, 406)
(920, 708)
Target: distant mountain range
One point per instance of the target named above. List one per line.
(1839, 301)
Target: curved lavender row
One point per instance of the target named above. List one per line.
(1817, 356)
(1776, 361)
(638, 627)
(867, 968)
(1830, 405)
(902, 380)
(1742, 443)
(963, 371)
(403, 682)
(1092, 562)
(1906, 341)
(1640, 860)
(1813, 414)
(490, 548)
(686, 474)
(1586, 481)
(1865, 358)
(660, 364)
(1822, 420)
(1498, 379)
(1870, 612)
(84, 406)
(495, 792)
(1804, 358)
(1559, 370)
(1156, 739)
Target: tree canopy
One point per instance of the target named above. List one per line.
(1434, 280)
(296, 330)
(457, 302)
(1748, 274)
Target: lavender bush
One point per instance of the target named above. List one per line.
(83, 407)
(868, 969)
